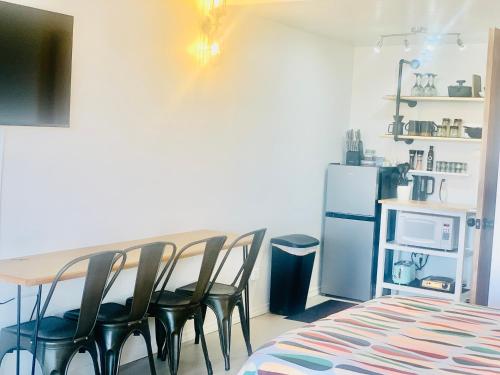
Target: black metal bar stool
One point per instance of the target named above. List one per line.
(172, 310)
(59, 339)
(223, 298)
(117, 322)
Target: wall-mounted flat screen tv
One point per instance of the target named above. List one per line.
(35, 66)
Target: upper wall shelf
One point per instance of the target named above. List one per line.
(435, 99)
(433, 139)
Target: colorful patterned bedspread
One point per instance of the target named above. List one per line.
(389, 335)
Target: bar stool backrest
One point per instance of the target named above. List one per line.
(99, 268)
(247, 267)
(211, 252)
(147, 273)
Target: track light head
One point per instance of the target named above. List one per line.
(460, 43)
(415, 64)
(407, 45)
(378, 46)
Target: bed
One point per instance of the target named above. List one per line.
(389, 335)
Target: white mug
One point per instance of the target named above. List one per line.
(404, 192)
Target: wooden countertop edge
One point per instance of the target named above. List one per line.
(21, 281)
(437, 206)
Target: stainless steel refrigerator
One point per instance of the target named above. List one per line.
(351, 229)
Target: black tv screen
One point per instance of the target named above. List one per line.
(35, 66)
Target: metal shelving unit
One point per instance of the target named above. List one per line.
(434, 173)
(457, 256)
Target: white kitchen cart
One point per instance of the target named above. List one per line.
(458, 256)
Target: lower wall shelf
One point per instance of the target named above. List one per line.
(420, 291)
(420, 250)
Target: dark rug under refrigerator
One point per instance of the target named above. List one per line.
(320, 311)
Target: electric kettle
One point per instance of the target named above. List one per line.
(403, 272)
(423, 186)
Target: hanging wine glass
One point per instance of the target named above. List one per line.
(428, 86)
(417, 89)
(434, 91)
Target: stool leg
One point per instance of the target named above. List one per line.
(198, 318)
(223, 312)
(161, 336)
(147, 337)
(244, 327)
(203, 315)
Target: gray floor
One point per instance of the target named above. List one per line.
(264, 328)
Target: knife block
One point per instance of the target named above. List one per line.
(353, 158)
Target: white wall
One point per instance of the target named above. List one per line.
(375, 75)
(158, 144)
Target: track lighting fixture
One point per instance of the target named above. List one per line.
(432, 40)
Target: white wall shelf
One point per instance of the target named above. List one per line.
(434, 173)
(422, 291)
(420, 250)
(436, 99)
(433, 139)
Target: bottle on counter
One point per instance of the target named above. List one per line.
(443, 191)
(430, 159)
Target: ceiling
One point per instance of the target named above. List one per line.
(360, 22)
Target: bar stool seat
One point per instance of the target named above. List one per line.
(50, 328)
(167, 298)
(108, 313)
(217, 289)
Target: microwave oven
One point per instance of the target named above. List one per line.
(424, 230)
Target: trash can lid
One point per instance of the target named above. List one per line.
(295, 240)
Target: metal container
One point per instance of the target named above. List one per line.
(460, 90)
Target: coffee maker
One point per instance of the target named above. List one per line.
(423, 186)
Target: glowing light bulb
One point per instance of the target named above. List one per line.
(214, 49)
(378, 46)
(204, 50)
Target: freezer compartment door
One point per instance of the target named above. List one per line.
(347, 258)
(352, 190)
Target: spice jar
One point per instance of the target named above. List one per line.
(446, 127)
(420, 157)
(458, 123)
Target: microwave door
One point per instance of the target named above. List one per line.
(420, 232)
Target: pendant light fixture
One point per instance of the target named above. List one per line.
(208, 47)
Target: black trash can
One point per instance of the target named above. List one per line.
(291, 267)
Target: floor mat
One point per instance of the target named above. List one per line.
(320, 311)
